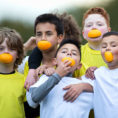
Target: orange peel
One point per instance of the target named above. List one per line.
(6, 58)
(108, 56)
(69, 59)
(44, 45)
(94, 33)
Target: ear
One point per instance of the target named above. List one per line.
(60, 38)
(83, 35)
(54, 61)
(79, 66)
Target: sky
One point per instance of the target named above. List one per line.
(30, 9)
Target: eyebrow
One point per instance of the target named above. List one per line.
(67, 49)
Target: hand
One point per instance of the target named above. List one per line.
(32, 77)
(49, 71)
(30, 44)
(63, 68)
(73, 91)
(90, 72)
(41, 69)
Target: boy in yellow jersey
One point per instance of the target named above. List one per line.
(12, 90)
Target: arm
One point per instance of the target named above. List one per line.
(74, 90)
(35, 58)
(38, 93)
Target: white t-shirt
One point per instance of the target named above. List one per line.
(106, 93)
(54, 106)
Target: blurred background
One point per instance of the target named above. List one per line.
(21, 14)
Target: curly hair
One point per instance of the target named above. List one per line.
(97, 10)
(14, 41)
(71, 28)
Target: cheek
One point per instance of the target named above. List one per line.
(103, 30)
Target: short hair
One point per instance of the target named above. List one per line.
(71, 28)
(69, 41)
(97, 10)
(50, 18)
(110, 34)
(14, 41)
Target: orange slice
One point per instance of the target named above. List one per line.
(108, 56)
(44, 45)
(6, 58)
(69, 59)
(94, 33)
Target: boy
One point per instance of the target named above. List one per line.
(50, 93)
(106, 79)
(48, 27)
(71, 30)
(12, 90)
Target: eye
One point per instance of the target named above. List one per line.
(63, 51)
(49, 33)
(104, 46)
(88, 25)
(38, 34)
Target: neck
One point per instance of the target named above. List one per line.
(48, 57)
(6, 68)
(113, 67)
(94, 45)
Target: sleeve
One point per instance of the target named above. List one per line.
(38, 93)
(35, 58)
(30, 101)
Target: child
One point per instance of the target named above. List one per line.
(106, 79)
(48, 27)
(50, 93)
(71, 30)
(12, 90)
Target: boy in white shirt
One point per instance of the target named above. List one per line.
(106, 83)
(48, 91)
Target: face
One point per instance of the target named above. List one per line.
(69, 50)
(110, 43)
(5, 49)
(94, 21)
(47, 31)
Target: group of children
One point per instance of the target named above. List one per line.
(64, 90)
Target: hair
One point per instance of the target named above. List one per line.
(71, 28)
(97, 10)
(50, 18)
(14, 41)
(110, 34)
(69, 41)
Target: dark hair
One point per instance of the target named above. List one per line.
(69, 41)
(71, 28)
(110, 34)
(50, 18)
(14, 41)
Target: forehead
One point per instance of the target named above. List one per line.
(94, 18)
(69, 47)
(45, 26)
(112, 38)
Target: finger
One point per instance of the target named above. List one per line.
(68, 96)
(74, 98)
(67, 87)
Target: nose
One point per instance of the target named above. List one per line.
(108, 48)
(69, 54)
(43, 37)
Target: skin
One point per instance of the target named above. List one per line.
(7, 68)
(110, 43)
